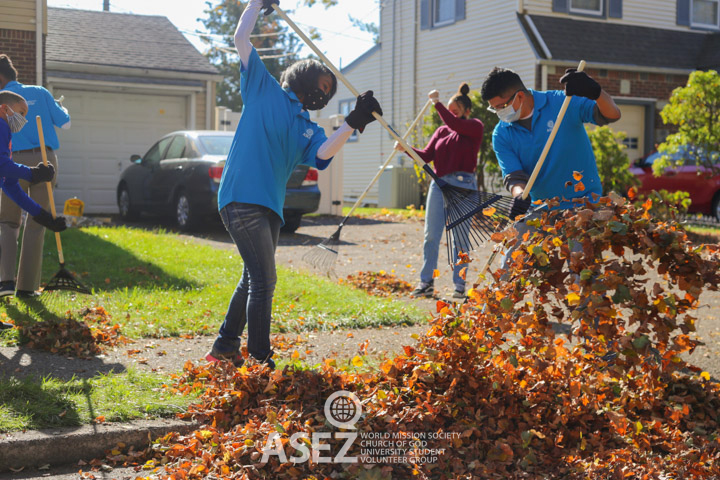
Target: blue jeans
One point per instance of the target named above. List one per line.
(435, 226)
(255, 230)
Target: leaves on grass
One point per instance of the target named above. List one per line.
(380, 284)
(75, 338)
(520, 399)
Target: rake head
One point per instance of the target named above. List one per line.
(64, 280)
(324, 255)
(472, 216)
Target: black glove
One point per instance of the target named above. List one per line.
(361, 115)
(579, 83)
(267, 5)
(42, 173)
(46, 220)
(519, 207)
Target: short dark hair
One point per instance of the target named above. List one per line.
(499, 82)
(10, 98)
(462, 96)
(7, 69)
(302, 76)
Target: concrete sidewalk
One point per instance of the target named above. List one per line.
(34, 452)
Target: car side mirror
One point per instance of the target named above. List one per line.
(135, 158)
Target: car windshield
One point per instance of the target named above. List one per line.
(684, 155)
(216, 144)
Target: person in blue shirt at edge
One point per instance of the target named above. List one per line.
(13, 109)
(526, 119)
(274, 135)
(26, 151)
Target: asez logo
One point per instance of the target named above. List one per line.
(308, 133)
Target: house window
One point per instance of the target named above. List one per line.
(443, 12)
(344, 108)
(593, 7)
(705, 13)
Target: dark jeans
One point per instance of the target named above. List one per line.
(255, 230)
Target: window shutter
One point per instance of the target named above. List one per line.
(683, 12)
(615, 9)
(560, 6)
(459, 10)
(424, 14)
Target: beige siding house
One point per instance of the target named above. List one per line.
(639, 50)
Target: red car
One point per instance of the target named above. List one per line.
(702, 183)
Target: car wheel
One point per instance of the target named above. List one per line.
(292, 222)
(184, 216)
(716, 207)
(127, 210)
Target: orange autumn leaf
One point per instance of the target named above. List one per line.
(632, 193)
(463, 273)
(577, 176)
(439, 305)
(489, 211)
(463, 258)
(436, 273)
(579, 187)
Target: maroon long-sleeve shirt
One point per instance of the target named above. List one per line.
(454, 146)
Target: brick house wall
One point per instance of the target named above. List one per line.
(19, 45)
(658, 86)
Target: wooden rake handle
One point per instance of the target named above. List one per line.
(549, 141)
(347, 83)
(538, 165)
(41, 136)
(389, 158)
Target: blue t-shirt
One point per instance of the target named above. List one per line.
(273, 137)
(517, 148)
(11, 171)
(40, 102)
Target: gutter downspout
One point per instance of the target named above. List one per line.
(208, 101)
(39, 27)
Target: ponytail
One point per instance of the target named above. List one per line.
(462, 97)
(7, 69)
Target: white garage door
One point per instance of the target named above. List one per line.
(632, 123)
(106, 129)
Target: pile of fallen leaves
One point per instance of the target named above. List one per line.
(570, 368)
(380, 284)
(69, 336)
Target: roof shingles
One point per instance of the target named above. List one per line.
(613, 43)
(122, 40)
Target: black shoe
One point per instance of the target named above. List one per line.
(5, 326)
(7, 288)
(459, 294)
(27, 294)
(423, 290)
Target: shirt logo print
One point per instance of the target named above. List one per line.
(550, 125)
(308, 133)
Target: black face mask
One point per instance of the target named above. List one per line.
(315, 99)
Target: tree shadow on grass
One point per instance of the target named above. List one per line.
(103, 266)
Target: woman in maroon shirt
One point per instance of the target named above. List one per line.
(453, 149)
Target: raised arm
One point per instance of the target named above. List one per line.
(468, 127)
(245, 28)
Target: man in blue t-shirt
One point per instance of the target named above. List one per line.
(26, 151)
(526, 119)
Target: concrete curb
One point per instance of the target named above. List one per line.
(61, 446)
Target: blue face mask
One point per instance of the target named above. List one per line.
(508, 114)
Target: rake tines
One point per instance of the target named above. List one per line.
(64, 280)
(323, 255)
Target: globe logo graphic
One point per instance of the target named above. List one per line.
(343, 409)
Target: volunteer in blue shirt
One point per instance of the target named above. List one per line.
(274, 135)
(26, 151)
(526, 119)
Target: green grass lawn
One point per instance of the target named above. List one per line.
(46, 403)
(156, 284)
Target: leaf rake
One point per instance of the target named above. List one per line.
(462, 205)
(63, 279)
(324, 255)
